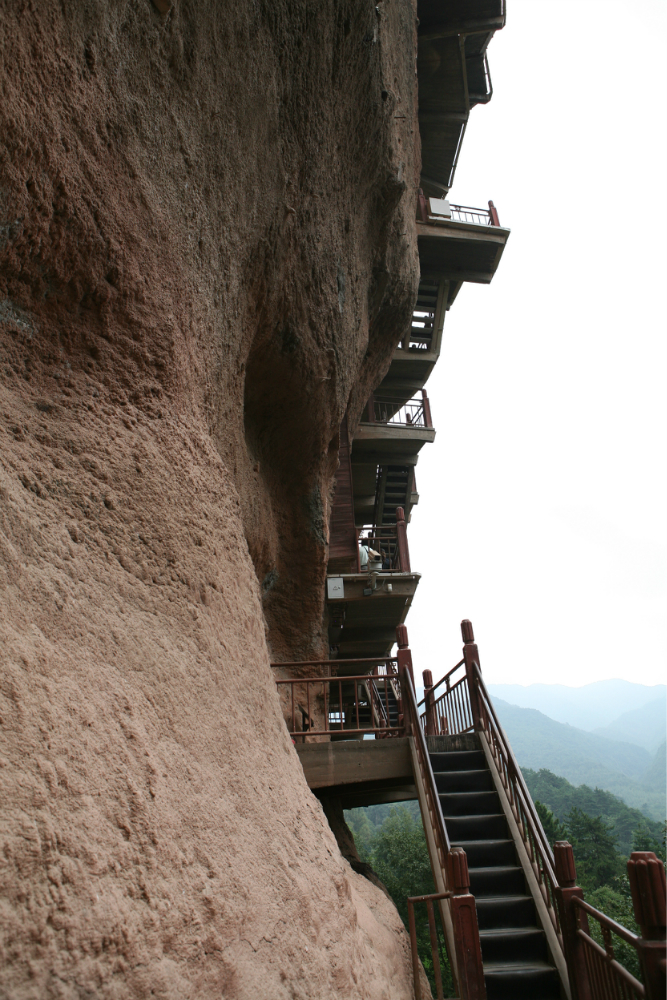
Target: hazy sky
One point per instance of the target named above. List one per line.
(542, 502)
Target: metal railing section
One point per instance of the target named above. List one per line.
(414, 413)
(411, 414)
(450, 713)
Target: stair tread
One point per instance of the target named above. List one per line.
(505, 899)
(491, 840)
(512, 965)
(475, 816)
(499, 931)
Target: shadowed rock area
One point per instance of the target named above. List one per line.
(207, 254)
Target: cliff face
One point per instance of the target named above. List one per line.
(207, 253)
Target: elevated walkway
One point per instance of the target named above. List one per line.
(515, 925)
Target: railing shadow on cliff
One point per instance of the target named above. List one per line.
(465, 706)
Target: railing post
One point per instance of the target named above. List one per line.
(427, 410)
(402, 541)
(565, 891)
(370, 408)
(466, 928)
(646, 875)
(493, 212)
(429, 704)
(471, 659)
(404, 663)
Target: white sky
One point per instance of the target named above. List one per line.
(542, 502)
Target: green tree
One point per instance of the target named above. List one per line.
(554, 829)
(594, 847)
(644, 839)
(398, 854)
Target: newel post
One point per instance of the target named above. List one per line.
(493, 212)
(426, 403)
(471, 660)
(570, 919)
(646, 874)
(404, 659)
(370, 408)
(430, 729)
(466, 928)
(402, 540)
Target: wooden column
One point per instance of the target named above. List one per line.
(427, 409)
(402, 541)
(471, 659)
(646, 875)
(493, 212)
(466, 928)
(431, 728)
(404, 658)
(570, 919)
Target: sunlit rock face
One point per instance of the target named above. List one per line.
(207, 255)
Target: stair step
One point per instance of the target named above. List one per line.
(497, 880)
(464, 781)
(482, 827)
(505, 911)
(458, 760)
(519, 980)
(488, 853)
(469, 803)
(513, 944)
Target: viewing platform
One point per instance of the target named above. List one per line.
(458, 243)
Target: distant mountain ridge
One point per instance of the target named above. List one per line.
(625, 769)
(590, 707)
(645, 726)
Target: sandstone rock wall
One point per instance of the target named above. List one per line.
(207, 253)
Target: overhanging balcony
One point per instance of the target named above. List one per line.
(393, 433)
(458, 244)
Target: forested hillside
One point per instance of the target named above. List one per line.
(625, 769)
(561, 797)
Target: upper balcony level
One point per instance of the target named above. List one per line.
(453, 76)
(458, 243)
(392, 432)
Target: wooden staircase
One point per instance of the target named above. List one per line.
(514, 947)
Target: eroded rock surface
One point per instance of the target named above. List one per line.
(207, 253)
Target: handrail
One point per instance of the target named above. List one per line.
(595, 973)
(534, 837)
(435, 809)
(453, 865)
(341, 705)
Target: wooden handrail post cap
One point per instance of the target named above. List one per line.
(566, 871)
(467, 631)
(402, 636)
(458, 871)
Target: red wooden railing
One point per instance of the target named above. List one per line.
(334, 703)
(595, 974)
(465, 706)
(467, 959)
